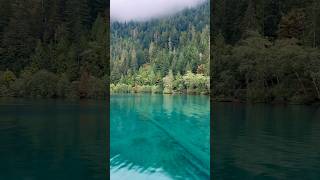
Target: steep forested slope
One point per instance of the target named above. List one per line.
(266, 51)
(53, 48)
(170, 53)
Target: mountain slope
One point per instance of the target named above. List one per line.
(143, 53)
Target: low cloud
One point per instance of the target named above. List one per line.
(140, 10)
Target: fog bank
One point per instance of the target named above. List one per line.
(141, 10)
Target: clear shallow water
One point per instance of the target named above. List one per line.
(266, 142)
(52, 140)
(159, 137)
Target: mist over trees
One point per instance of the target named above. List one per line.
(53, 48)
(166, 55)
(266, 51)
(143, 10)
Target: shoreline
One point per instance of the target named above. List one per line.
(212, 99)
(285, 103)
(188, 94)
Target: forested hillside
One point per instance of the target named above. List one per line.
(166, 55)
(266, 51)
(53, 48)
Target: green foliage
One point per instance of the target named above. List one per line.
(196, 83)
(266, 51)
(151, 56)
(45, 84)
(42, 84)
(97, 88)
(63, 86)
(168, 83)
(54, 39)
(261, 71)
(189, 83)
(7, 77)
(120, 88)
(273, 19)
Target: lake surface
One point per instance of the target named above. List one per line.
(266, 142)
(52, 140)
(159, 137)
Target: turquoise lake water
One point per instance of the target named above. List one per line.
(159, 137)
(52, 140)
(266, 142)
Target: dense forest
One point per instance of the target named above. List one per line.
(54, 48)
(165, 55)
(266, 51)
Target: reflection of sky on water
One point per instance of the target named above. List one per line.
(121, 172)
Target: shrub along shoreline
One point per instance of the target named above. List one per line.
(261, 71)
(189, 83)
(45, 84)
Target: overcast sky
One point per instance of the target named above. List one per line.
(126, 10)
